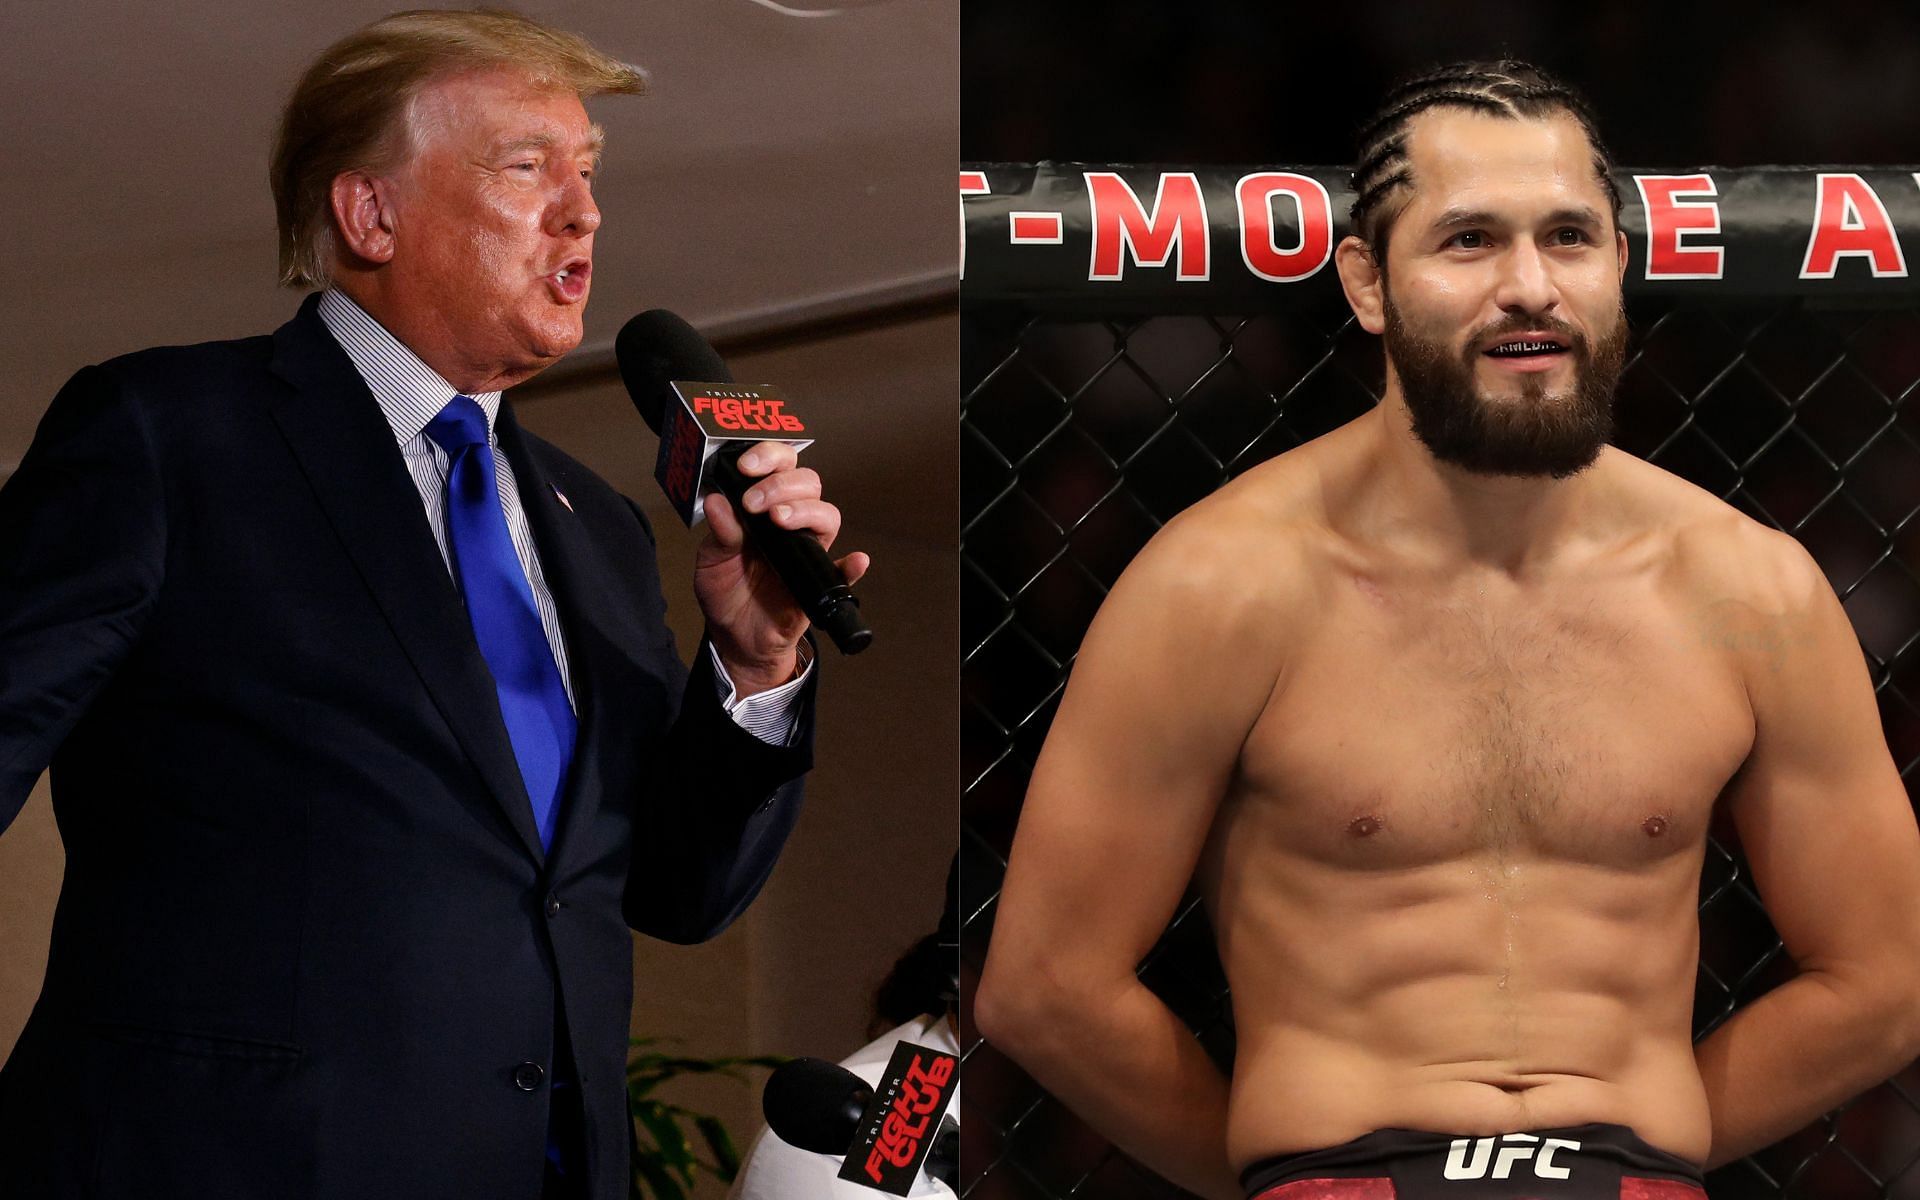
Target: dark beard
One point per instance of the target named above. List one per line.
(1539, 433)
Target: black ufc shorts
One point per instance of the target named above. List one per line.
(1580, 1162)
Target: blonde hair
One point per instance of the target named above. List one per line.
(350, 109)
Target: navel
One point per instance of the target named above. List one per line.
(1654, 826)
(1364, 826)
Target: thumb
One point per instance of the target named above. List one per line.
(723, 527)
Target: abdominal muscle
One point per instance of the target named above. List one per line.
(1469, 997)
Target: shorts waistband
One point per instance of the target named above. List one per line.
(1602, 1161)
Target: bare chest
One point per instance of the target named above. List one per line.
(1407, 731)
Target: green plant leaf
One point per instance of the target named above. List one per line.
(655, 1182)
(674, 1151)
(665, 1163)
(726, 1158)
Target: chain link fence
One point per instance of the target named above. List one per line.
(1080, 437)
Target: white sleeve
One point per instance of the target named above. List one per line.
(770, 715)
(775, 1170)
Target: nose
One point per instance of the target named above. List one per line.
(574, 212)
(1525, 284)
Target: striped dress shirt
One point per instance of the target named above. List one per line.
(411, 394)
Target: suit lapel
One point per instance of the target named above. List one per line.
(345, 447)
(567, 561)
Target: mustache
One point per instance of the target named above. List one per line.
(1520, 323)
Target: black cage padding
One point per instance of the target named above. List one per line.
(1094, 410)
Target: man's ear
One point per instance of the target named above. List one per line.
(363, 215)
(1360, 280)
(1620, 249)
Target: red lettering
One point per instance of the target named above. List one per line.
(734, 413)
(937, 1074)
(898, 1141)
(972, 183)
(1848, 219)
(907, 1104)
(1177, 224)
(766, 415)
(1254, 196)
(1035, 228)
(917, 1095)
(1671, 218)
(683, 459)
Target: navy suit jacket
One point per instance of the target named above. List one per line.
(308, 942)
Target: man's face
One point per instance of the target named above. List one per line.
(1503, 318)
(494, 219)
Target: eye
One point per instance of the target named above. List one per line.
(1478, 239)
(526, 166)
(1571, 236)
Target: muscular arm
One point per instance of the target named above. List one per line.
(1830, 835)
(1172, 675)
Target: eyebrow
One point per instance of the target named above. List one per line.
(1456, 218)
(596, 142)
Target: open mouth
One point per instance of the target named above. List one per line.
(1529, 351)
(569, 283)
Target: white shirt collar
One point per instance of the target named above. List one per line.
(409, 392)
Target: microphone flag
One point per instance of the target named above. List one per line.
(707, 417)
(898, 1128)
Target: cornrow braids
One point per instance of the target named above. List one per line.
(1507, 88)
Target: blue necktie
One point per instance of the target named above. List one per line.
(505, 622)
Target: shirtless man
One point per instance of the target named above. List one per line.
(1451, 695)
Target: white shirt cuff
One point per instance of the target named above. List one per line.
(771, 715)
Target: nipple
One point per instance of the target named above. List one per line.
(1364, 826)
(1654, 825)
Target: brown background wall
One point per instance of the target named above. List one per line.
(777, 164)
(796, 974)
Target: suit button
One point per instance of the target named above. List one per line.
(527, 1076)
(553, 905)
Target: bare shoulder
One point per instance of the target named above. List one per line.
(1718, 555)
(1241, 563)
(1184, 654)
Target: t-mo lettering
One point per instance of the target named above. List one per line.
(731, 412)
(1502, 1153)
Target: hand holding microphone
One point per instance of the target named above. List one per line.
(757, 605)
(742, 594)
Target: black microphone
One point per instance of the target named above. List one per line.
(655, 350)
(943, 1161)
(817, 1105)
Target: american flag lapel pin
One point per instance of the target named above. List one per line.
(562, 496)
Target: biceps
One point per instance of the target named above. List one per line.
(1120, 805)
(1825, 822)
(1836, 858)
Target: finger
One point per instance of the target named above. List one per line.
(817, 517)
(722, 525)
(853, 566)
(764, 458)
(797, 483)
